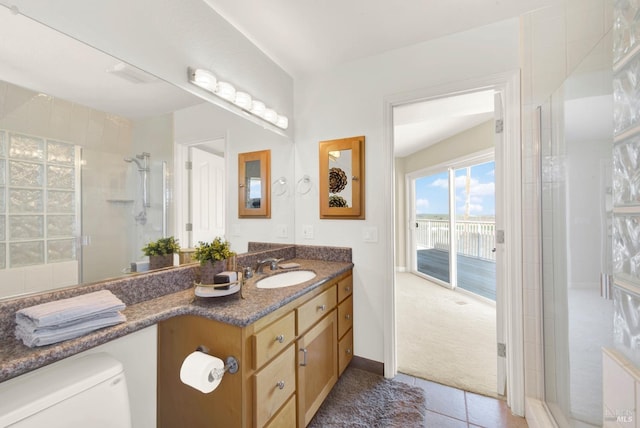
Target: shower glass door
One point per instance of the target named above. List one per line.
(576, 151)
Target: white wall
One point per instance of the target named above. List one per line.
(206, 122)
(349, 101)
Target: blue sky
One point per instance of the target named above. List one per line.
(431, 192)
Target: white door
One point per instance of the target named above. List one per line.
(207, 195)
(499, 248)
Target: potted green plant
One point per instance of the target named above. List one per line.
(161, 251)
(213, 257)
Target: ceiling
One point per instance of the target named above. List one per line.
(304, 36)
(422, 124)
(307, 36)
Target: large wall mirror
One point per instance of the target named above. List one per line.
(90, 165)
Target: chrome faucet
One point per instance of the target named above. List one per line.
(262, 263)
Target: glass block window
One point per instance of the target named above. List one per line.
(39, 184)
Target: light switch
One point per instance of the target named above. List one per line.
(370, 234)
(307, 231)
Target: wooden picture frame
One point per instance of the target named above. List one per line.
(342, 178)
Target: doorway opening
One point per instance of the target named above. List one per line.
(448, 230)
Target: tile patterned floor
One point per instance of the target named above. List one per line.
(449, 407)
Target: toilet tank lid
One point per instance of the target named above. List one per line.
(32, 392)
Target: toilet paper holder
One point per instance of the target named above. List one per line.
(231, 365)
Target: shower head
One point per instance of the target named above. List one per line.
(136, 161)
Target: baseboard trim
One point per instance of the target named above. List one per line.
(367, 365)
(537, 415)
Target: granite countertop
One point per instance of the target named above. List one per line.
(17, 359)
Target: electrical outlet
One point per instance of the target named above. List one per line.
(307, 231)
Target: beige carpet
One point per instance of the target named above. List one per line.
(445, 336)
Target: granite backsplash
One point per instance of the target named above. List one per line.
(141, 287)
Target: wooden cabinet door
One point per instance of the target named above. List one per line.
(317, 366)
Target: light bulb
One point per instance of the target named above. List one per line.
(270, 115)
(258, 108)
(282, 122)
(243, 100)
(205, 79)
(226, 90)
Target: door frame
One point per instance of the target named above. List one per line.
(508, 83)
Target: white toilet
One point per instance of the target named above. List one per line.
(90, 391)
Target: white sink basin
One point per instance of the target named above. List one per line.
(286, 279)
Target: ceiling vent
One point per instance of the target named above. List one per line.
(131, 74)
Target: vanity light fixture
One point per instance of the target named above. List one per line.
(225, 90)
(243, 100)
(270, 115)
(205, 79)
(258, 108)
(282, 122)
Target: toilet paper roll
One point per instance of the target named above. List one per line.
(202, 371)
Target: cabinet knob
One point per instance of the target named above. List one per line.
(280, 338)
(348, 316)
(347, 288)
(348, 351)
(280, 384)
(322, 308)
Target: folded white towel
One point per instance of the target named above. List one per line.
(62, 312)
(48, 335)
(28, 326)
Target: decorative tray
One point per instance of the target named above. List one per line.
(217, 290)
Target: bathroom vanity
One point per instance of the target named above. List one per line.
(270, 332)
(288, 359)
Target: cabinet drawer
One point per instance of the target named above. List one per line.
(345, 288)
(345, 351)
(272, 339)
(286, 417)
(273, 385)
(345, 316)
(310, 312)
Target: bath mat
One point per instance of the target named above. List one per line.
(363, 399)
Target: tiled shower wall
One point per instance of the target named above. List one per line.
(28, 113)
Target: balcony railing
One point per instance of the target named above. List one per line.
(475, 238)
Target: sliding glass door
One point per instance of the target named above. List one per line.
(454, 213)
(432, 221)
